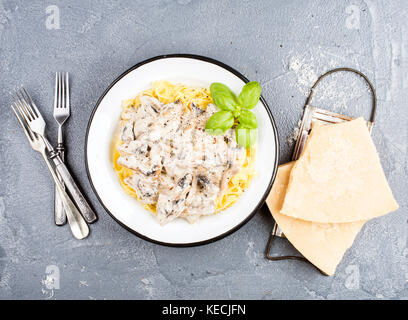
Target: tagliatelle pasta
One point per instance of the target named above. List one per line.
(167, 92)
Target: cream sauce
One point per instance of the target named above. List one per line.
(176, 164)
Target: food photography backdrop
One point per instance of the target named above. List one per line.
(285, 46)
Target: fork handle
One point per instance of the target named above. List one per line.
(76, 194)
(79, 228)
(59, 213)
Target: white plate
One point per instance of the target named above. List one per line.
(190, 70)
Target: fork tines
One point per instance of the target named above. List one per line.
(18, 113)
(26, 106)
(61, 95)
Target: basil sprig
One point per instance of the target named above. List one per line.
(235, 110)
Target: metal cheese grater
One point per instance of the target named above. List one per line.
(312, 115)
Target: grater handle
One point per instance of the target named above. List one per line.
(374, 98)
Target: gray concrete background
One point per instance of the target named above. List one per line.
(282, 44)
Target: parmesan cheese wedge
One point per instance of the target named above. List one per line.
(323, 244)
(338, 177)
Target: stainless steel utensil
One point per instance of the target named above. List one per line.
(78, 225)
(36, 123)
(61, 114)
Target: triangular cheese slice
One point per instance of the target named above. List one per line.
(338, 177)
(323, 244)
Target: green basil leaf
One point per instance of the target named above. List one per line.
(219, 122)
(223, 97)
(246, 137)
(250, 94)
(247, 119)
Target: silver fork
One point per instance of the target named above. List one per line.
(61, 114)
(78, 225)
(36, 123)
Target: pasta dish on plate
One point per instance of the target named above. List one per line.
(164, 157)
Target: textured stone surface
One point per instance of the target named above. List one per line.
(282, 44)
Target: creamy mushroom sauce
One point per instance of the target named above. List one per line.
(176, 165)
